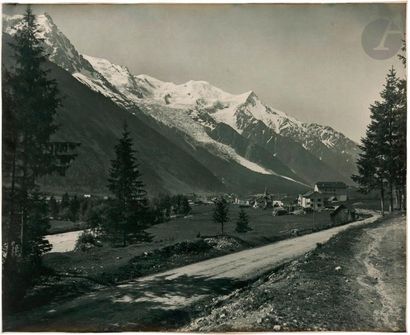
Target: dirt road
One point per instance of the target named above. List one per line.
(158, 301)
(382, 251)
(356, 282)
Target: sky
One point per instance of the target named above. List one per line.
(307, 60)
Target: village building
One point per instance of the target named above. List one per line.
(241, 202)
(333, 190)
(343, 214)
(277, 203)
(312, 200)
(263, 200)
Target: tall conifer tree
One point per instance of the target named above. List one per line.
(30, 103)
(401, 127)
(220, 214)
(242, 225)
(128, 212)
(381, 163)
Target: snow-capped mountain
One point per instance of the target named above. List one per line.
(60, 50)
(208, 105)
(235, 110)
(197, 109)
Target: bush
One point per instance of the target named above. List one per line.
(86, 241)
(242, 225)
(186, 247)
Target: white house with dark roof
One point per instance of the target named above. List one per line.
(333, 190)
(323, 192)
(312, 200)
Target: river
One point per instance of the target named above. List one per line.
(64, 242)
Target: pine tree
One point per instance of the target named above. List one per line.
(369, 164)
(65, 212)
(53, 207)
(74, 208)
(185, 206)
(165, 206)
(84, 208)
(221, 211)
(389, 110)
(30, 102)
(401, 127)
(129, 207)
(376, 164)
(65, 201)
(37, 224)
(242, 225)
(180, 204)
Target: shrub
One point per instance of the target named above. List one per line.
(186, 247)
(86, 241)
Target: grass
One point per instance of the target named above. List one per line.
(265, 227)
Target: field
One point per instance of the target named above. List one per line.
(266, 229)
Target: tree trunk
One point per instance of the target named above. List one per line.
(398, 199)
(403, 191)
(24, 192)
(382, 200)
(22, 231)
(391, 203)
(11, 227)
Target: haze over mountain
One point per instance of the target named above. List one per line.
(191, 137)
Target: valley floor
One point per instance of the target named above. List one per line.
(170, 300)
(357, 282)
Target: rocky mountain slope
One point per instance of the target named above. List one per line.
(196, 117)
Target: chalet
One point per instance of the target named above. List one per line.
(260, 202)
(277, 203)
(343, 214)
(263, 200)
(332, 190)
(242, 203)
(312, 200)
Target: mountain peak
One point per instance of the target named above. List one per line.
(48, 16)
(56, 44)
(251, 97)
